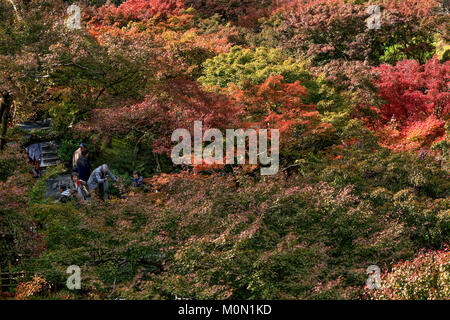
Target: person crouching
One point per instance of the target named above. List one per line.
(99, 179)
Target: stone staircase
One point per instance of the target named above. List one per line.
(49, 156)
(37, 125)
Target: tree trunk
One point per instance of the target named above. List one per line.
(5, 108)
(158, 164)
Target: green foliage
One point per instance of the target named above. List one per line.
(8, 165)
(62, 115)
(309, 237)
(37, 191)
(124, 157)
(443, 147)
(396, 52)
(255, 66)
(242, 66)
(67, 147)
(18, 236)
(340, 202)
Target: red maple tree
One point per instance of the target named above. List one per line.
(417, 100)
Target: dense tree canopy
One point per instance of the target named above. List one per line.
(363, 115)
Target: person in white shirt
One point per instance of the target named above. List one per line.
(77, 154)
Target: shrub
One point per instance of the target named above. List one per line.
(243, 12)
(19, 237)
(426, 277)
(254, 66)
(327, 30)
(416, 103)
(243, 67)
(35, 287)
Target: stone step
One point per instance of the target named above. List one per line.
(49, 149)
(37, 125)
(49, 145)
(47, 158)
(49, 154)
(49, 164)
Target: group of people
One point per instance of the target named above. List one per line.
(84, 182)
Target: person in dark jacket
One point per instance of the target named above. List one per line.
(83, 167)
(34, 153)
(137, 180)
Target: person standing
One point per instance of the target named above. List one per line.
(77, 155)
(83, 166)
(99, 179)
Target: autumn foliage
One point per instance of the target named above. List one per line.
(427, 277)
(137, 10)
(363, 116)
(417, 100)
(276, 104)
(157, 117)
